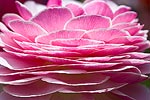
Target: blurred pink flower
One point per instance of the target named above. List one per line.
(71, 51)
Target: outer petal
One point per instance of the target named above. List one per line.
(63, 34)
(100, 88)
(138, 92)
(106, 34)
(98, 8)
(121, 9)
(51, 3)
(88, 22)
(5, 96)
(14, 62)
(72, 79)
(27, 29)
(9, 17)
(75, 8)
(24, 12)
(53, 19)
(35, 89)
(124, 17)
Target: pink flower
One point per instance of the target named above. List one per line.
(73, 52)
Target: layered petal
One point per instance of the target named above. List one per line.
(98, 8)
(52, 19)
(23, 10)
(88, 22)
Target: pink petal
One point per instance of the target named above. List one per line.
(15, 36)
(14, 62)
(143, 33)
(8, 36)
(38, 88)
(100, 88)
(127, 40)
(9, 17)
(105, 34)
(53, 19)
(5, 96)
(52, 3)
(98, 8)
(5, 71)
(56, 60)
(145, 69)
(134, 29)
(75, 79)
(138, 55)
(9, 43)
(143, 45)
(24, 12)
(53, 53)
(133, 62)
(63, 34)
(121, 9)
(112, 50)
(88, 22)
(124, 17)
(27, 29)
(124, 25)
(79, 64)
(75, 42)
(140, 92)
(126, 77)
(76, 9)
(18, 79)
(102, 59)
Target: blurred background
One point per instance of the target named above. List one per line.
(142, 7)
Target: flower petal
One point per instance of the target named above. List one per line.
(100, 88)
(27, 29)
(9, 17)
(75, 79)
(74, 42)
(121, 9)
(98, 8)
(24, 12)
(76, 9)
(131, 40)
(124, 17)
(52, 3)
(53, 19)
(140, 92)
(38, 88)
(62, 34)
(5, 96)
(18, 79)
(14, 62)
(88, 22)
(106, 34)
(111, 50)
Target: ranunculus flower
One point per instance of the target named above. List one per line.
(73, 52)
